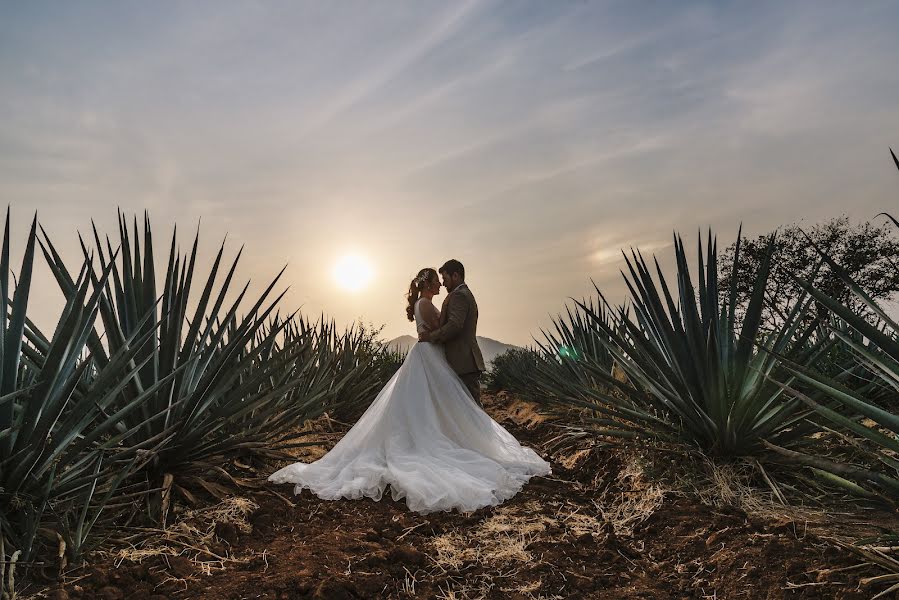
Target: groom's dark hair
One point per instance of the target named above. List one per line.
(453, 266)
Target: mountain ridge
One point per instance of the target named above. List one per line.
(490, 348)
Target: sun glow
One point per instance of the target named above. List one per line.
(353, 273)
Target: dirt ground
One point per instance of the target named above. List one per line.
(597, 528)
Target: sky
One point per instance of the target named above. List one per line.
(531, 140)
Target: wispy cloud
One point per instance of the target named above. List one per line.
(436, 32)
(532, 140)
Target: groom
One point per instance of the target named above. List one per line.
(458, 328)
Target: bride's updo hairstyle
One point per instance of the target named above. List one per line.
(424, 276)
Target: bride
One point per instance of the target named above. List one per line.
(424, 435)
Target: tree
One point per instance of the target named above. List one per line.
(865, 250)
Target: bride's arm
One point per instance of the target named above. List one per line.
(430, 314)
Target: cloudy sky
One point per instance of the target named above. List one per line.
(530, 140)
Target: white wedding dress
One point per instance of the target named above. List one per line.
(426, 437)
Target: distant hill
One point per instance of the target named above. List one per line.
(489, 348)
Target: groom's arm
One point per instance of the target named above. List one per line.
(458, 312)
(425, 336)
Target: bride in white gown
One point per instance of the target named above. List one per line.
(423, 435)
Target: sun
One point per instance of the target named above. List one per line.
(352, 272)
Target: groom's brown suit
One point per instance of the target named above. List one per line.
(458, 334)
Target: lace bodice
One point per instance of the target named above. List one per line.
(420, 322)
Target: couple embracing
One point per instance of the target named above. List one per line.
(455, 326)
(425, 435)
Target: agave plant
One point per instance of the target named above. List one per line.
(513, 371)
(355, 362)
(219, 380)
(857, 410)
(577, 346)
(361, 364)
(567, 356)
(54, 434)
(854, 410)
(314, 389)
(688, 370)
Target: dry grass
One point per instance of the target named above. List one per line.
(192, 536)
(504, 543)
(499, 541)
(572, 460)
(736, 484)
(632, 500)
(321, 434)
(520, 412)
(476, 588)
(628, 497)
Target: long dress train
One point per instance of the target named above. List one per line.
(426, 437)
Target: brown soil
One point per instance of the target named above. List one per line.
(595, 529)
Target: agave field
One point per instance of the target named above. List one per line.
(134, 402)
(688, 366)
(704, 442)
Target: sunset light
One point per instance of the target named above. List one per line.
(352, 273)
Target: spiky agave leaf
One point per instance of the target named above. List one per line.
(568, 352)
(877, 347)
(692, 371)
(43, 453)
(361, 362)
(213, 382)
(513, 371)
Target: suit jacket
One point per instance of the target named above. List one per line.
(458, 331)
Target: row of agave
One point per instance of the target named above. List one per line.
(686, 366)
(135, 398)
(679, 365)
